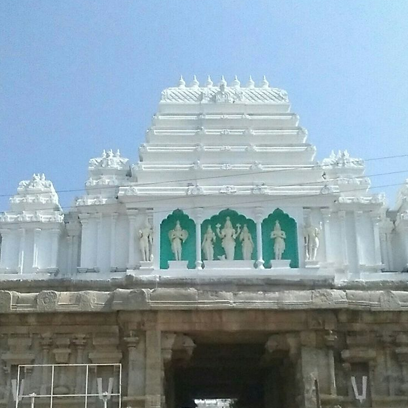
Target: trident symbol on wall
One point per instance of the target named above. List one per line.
(363, 396)
(105, 395)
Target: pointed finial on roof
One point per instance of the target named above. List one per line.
(182, 82)
(251, 83)
(194, 83)
(264, 82)
(117, 153)
(209, 82)
(236, 82)
(223, 81)
(103, 153)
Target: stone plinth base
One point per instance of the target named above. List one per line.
(178, 264)
(229, 265)
(280, 264)
(312, 264)
(146, 265)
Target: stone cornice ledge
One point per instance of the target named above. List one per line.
(50, 301)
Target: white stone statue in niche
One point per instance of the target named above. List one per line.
(279, 244)
(228, 235)
(312, 242)
(208, 244)
(247, 243)
(177, 237)
(146, 241)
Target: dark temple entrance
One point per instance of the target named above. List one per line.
(241, 372)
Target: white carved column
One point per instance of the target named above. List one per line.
(388, 247)
(259, 214)
(326, 214)
(37, 236)
(132, 243)
(198, 219)
(5, 245)
(55, 233)
(70, 255)
(343, 237)
(112, 262)
(375, 219)
(97, 239)
(22, 234)
(362, 261)
(85, 242)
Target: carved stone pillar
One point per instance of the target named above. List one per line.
(132, 241)
(330, 340)
(37, 236)
(326, 214)
(198, 219)
(5, 244)
(135, 378)
(259, 214)
(55, 234)
(375, 218)
(45, 343)
(154, 390)
(343, 239)
(359, 219)
(85, 243)
(80, 342)
(112, 262)
(97, 240)
(21, 250)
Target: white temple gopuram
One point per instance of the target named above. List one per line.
(226, 268)
(227, 165)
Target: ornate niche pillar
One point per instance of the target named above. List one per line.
(112, 252)
(154, 370)
(36, 244)
(86, 248)
(5, 245)
(326, 214)
(21, 250)
(55, 236)
(198, 220)
(375, 220)
(385, 240)
(343, 240)
(330, 341)
(259, 214)
(45, 343)
(132, 214)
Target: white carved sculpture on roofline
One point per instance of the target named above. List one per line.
(208, 244)
(146, 241)
(247, 243)
(228, 235)
(312, 242)
(177, 237)
(279, 237)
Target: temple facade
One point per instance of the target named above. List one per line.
(227, 265)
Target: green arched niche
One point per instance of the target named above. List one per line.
(288, 225)
(189, 252)
(235, 218)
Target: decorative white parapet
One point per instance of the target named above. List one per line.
(31, 230)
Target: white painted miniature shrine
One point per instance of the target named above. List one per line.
(226, 185)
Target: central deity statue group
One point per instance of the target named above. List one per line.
(229, 237)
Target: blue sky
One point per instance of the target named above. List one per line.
(79, 76)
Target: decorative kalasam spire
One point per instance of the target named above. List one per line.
(223, 82)
(251, 83)
(182, 82)
(194, 83)
(209, 82)
(264, 82)
(235, 83)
